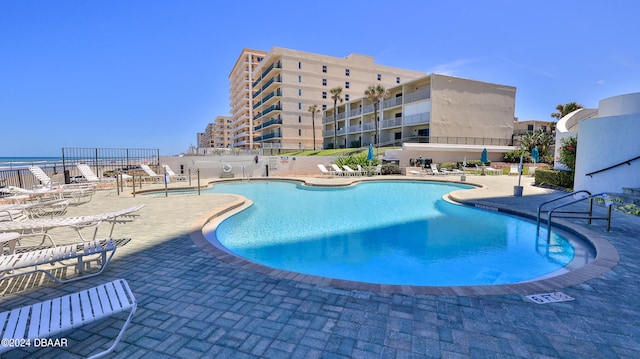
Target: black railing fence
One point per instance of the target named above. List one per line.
(103, 161)
(107, 162)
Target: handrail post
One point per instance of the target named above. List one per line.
(609, 218)
(590, 209)
(133, 184)
(198, 181)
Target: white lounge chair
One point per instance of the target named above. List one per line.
(40, 227)
(338, 170)
(75, 195)
(377, 170)
(418, 173)
(434, 170)
(51, 317)
(41, 258)
(151, 174)
(513, 170)
(350, 171)
(47, 182)
(40, 208)
(90, 176)
(173, 175)
(325, 171)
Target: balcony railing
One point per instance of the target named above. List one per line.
(417, 96)
(460, 140)
(355, 112)
(269, 136)
(417, 119)
(275, 121)
(396, 122)
(267, 110)
(396, 101)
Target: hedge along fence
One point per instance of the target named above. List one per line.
(554, 178)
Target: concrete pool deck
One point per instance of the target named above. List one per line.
(192, 304)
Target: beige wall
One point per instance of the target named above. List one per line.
(468, 108)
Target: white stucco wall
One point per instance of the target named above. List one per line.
(608, 140)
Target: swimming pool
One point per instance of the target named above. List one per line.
(387, 232)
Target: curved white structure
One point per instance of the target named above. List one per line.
(570, 122)
(607, 140)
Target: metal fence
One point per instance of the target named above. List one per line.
(103, 161)
(109, 161)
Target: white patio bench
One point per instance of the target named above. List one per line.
(37, 258)
(24, 326)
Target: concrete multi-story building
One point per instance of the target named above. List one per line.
(435, 109)
(241, 79)
(216, 134)
(271, 93)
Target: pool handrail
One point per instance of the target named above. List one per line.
(553, 200)
(590, 213)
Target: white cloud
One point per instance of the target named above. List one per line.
(452, 68)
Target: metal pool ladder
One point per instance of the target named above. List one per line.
(572, 214)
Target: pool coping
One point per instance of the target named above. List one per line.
(606, 255)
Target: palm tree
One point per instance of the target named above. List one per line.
(566, 109)
(375, 93)
(313, 109)
(336, 95)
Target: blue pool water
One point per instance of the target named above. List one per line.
(385, 232)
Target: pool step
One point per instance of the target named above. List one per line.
(628, 201)
(631, 191)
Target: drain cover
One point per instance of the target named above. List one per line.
(545, 298)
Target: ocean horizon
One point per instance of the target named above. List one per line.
(12, 163)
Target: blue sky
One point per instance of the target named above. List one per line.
(151, 74)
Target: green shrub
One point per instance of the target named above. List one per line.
(553, 177)
(355, 160)
(391, 169)
(449, 165)
(514, 156)
(568, 152)
(473, 163)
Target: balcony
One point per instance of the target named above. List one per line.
(355, 112)
(267, 110)
(268, 83)
(268, 136)
(417, 119)
(273, 121)
(396, 101)
(396, 122)
(418, 95)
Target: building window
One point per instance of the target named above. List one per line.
(299, 78)
(324, 82)
(299, 132)
(324, 94)
(324, 107)
(299, 64)
(397, 80)
(346, 84)
(346, 97)
(299, 92)
(299, 105)
(324, 68)
(346, 72)
(529, 127)
(379, 77)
